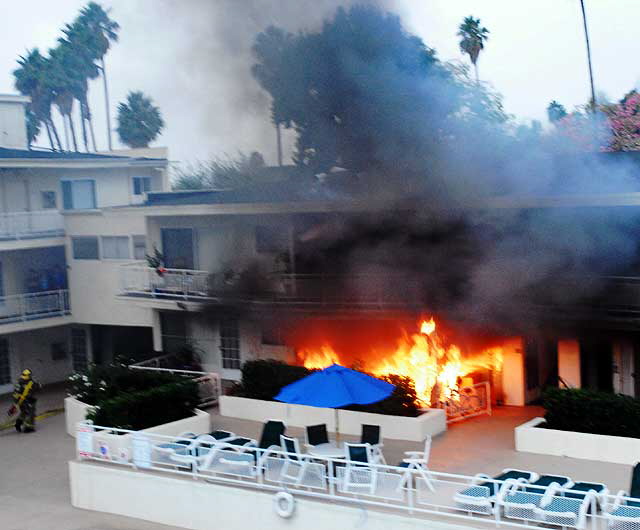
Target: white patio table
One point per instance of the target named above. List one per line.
(328, 450)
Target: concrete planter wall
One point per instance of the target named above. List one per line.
(74, 411)
(431, 422)
(616, 449)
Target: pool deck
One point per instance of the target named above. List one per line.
(34, 484)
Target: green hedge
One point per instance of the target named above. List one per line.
(148, 408)
(592, 412)
(100, 383)
(263, 379)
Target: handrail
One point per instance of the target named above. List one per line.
(32, 306)
(413, 491)
(19, 225)
(209, 383)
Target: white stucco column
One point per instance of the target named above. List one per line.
(156, 330)
(569, 362)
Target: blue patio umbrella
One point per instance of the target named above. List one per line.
(335, 386)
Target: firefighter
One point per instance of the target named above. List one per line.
(24, 400)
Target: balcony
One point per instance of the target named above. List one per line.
(304, 290)
(31, 225)
(137, 279)
(34, 306)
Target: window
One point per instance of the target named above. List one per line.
(139, 247)
(79, 194)
(85, 247)
(115, 247)
(141, 185)
(48, 200)
(5, 363)
(271, 239)
(178, 248)
(1, 284)
(79, 349)
(272, 335)
(230, 343)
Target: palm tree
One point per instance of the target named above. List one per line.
(60, 81)
(101, 31)
(139, 120)
(30, 80)
(473, 37)
(82, 68)
(269, 71)
(586, 38)
(556, 111)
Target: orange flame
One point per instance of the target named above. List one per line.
(437, 368)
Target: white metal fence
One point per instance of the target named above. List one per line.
(417, 491)
(209, 383)
(31, 306)
(139, 279)
(468, 402)
(25, 225)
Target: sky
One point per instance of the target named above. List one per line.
(193, 57)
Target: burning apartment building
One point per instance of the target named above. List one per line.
(514, 292)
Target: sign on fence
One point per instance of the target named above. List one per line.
(141, 450)
(84, 441)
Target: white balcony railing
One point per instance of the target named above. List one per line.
(33, 306)
(139, 279)
(27, 225)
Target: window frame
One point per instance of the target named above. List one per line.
(73, 247)
(127, 246)
(43, 201)
(230, 345)
(139, 237)
(70, 182)
(5, 353)
(141, 187)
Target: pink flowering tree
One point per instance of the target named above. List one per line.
(624, 123)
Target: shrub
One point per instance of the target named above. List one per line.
(99, 383)
(147, 408)
(592, 412)
(263, 379)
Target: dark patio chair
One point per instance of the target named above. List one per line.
(371, 435)
(317, 435)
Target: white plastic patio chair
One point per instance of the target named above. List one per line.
(295, 463)
(360, 470)
(418, 462)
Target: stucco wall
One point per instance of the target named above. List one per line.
(13, 127)
(32, 349)
(197, 505)
(94, 284)
(21, 189)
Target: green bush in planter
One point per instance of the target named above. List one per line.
(148, 408)
(105, 382)
(582, 410)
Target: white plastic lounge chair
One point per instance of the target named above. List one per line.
(480, 495)
(316, 435)
(521, 500)
(555, 508)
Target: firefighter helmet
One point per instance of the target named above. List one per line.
(26, 374)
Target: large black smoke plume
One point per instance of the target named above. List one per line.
(476, 234)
